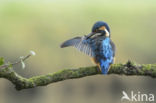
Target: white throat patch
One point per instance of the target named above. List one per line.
(107, 33)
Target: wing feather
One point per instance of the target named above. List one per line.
(84, 46)
(81, 44)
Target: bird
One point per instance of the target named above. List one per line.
(97, 44)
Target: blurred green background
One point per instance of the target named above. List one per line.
(42, 26)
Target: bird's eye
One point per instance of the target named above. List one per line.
(101, 31)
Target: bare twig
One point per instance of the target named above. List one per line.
(19, 61)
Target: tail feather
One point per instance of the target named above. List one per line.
(104, 65)
(71, 42)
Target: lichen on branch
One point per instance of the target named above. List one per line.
(129, 68)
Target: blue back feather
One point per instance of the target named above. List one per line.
(107, 52)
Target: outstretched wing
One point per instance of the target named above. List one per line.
(71, 42)
(81, 44)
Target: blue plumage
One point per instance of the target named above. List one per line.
(99, 24)
(97, 44)
(106, 54)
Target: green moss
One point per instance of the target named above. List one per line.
(116, 68)
(148, 67)
(1, 60)
(140, 72)
(126, 69)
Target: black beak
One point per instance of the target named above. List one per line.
(89, 35)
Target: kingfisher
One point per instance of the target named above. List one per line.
(97, 44)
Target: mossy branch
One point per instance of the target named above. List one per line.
(122, 69)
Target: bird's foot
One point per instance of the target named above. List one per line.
(98, 70)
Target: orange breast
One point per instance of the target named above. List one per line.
(94, 60)
(97, 63)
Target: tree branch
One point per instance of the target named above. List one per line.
(122, 69)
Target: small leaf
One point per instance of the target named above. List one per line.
(1, 60)
(10, 66)
(23, 64)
